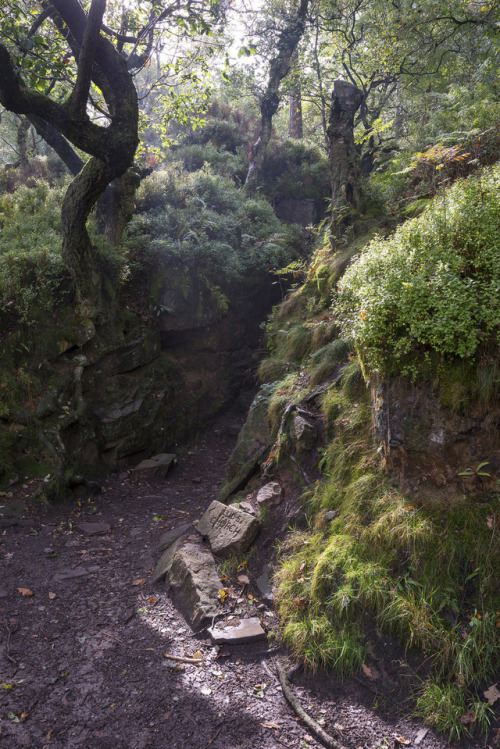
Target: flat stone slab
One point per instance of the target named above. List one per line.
(71, 574)
(269, 495)
(169, 537)
(165, 561)
(194, 582)
(157, 465)
(248, 630)
(94, 529)
(228, 529)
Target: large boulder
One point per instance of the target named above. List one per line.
(228, 529)
(193, 581)
(253, 443)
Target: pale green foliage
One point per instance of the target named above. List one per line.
(32, 272)
(433, 287)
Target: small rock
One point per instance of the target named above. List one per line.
(264, 584)
(158, 465)
(421, 736)
(269, 495)
(248, 630)
(331, 515)
(247, 506)
(303, 434)
(94, 529)
(194, 582)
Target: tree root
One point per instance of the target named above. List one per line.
(292, 700)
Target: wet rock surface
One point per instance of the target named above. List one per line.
(85, 661)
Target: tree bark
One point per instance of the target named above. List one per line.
(60, 145)
(279, 69)
(22, 141)
(344, 158)
(116, 206)
(295, 124)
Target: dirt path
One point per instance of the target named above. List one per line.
(82, 659)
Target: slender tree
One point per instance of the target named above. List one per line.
(279, 68)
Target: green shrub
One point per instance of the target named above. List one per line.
(201, 221)
(432, 290)
(33, 276)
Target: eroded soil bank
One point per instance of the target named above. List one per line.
(82, 659)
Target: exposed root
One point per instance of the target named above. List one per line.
(292, 700)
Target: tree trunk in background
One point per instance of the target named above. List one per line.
(22, 141)
(279, 69)
(295, 124)
(295, 128)
(344, 159)
(58, 143)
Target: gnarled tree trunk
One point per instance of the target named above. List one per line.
(111, 147)
(344, 158)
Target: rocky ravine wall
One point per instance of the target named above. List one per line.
(425, 444)
(137, 386)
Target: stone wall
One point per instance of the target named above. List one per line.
(148, 380)
(425, 444)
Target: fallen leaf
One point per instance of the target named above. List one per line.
(492, 694)
(467, 718)
(25, 591)
(140, 581)
(11, 716)
(489, 522)
(206, 691)
(243, 580)
(367, 671)
(52, 596)
(401, 741)
(270, 725)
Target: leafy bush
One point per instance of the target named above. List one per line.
(193, 157)
(295, 170)
(32, 272)
(432, 290)
(202, 221)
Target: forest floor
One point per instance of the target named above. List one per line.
(83, 634)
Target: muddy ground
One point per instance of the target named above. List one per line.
(83, 634)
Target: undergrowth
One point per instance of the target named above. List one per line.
(424, 569)
(421, 568)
